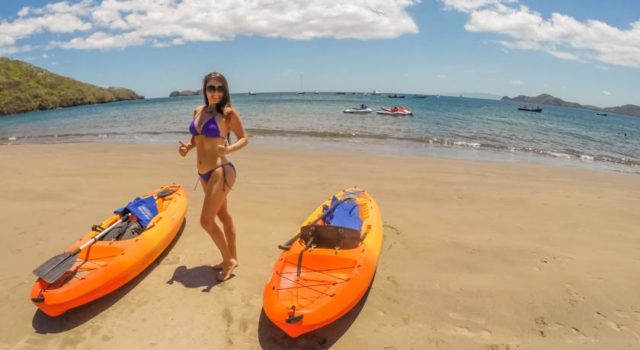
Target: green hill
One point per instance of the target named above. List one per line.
(543, 99)
(547, 99)
(25, 88)
(626, 109)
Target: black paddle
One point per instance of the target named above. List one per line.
(55, 267)
(346, 197)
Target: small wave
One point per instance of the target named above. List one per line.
(126, 136)
(467, 144)
(586, 157)
(559, 155)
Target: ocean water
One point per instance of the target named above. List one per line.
(442, 126)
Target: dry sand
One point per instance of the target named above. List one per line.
(476, 255)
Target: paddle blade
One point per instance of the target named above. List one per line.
(55, 267)
(166, 192)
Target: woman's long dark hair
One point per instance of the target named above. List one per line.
(226, 99)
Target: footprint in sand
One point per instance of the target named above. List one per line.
(173, 259)
(244, 325)
(461, 317)
(228, 317)
(542, 262)
(544, 328)
(501, 346)
(628, 314)
(393, 281)
(604, 319)
(392, 228)
(470, 332)
(574, 296)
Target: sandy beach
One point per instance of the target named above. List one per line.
(476, 255)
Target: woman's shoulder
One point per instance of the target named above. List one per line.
(197, 110)
(229, 111)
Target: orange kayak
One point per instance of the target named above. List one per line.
(105, 266)
(328, 266)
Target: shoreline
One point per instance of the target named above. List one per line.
(442, 148)
(476, 254)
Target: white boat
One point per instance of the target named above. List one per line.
(363, 109)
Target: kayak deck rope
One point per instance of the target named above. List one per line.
(336, 279)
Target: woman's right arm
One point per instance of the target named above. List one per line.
(185, 148)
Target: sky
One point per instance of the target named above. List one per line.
(586, 51)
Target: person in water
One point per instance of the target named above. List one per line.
(210, 130)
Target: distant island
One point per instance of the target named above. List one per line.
(547, 99)
(185, 93)
(26, 88)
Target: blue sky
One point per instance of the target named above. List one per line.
(586, 51)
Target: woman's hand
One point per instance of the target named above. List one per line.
(184, 149)
(223, 149)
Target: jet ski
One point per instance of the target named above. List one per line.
(362, 109)
(395, 111)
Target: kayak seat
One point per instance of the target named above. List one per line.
(330, 237)
(123, 231)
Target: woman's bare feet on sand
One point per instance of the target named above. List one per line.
(227, 270)
(221, 265)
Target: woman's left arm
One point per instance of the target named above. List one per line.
(235, 125)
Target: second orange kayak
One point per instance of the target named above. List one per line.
(329, 267)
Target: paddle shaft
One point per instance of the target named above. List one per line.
(100, 235)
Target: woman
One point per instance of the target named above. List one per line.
(210, 128)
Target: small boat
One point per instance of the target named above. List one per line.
(111, 254)
(376, 92)
(341, 93)
(530, 109)
(251, 93)
(419, 96)
(397, 111)
(602, 114)
(328, 265)
(362, 109)
(395, 96)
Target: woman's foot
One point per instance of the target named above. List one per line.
(227, 270)
(220, 266)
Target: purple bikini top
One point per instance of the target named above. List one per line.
(209, 129)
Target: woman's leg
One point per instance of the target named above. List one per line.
(229, 229)
(215, 199)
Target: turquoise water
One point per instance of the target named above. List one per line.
(440, 125)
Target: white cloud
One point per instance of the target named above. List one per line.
(120, 23)
(100, 40)
(469, 5)
(606, 92)
(561, 36)
(59, 18)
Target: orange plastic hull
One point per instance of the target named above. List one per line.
(106, 266)
(331, 281)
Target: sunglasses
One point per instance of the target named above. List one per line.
(215, 88)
